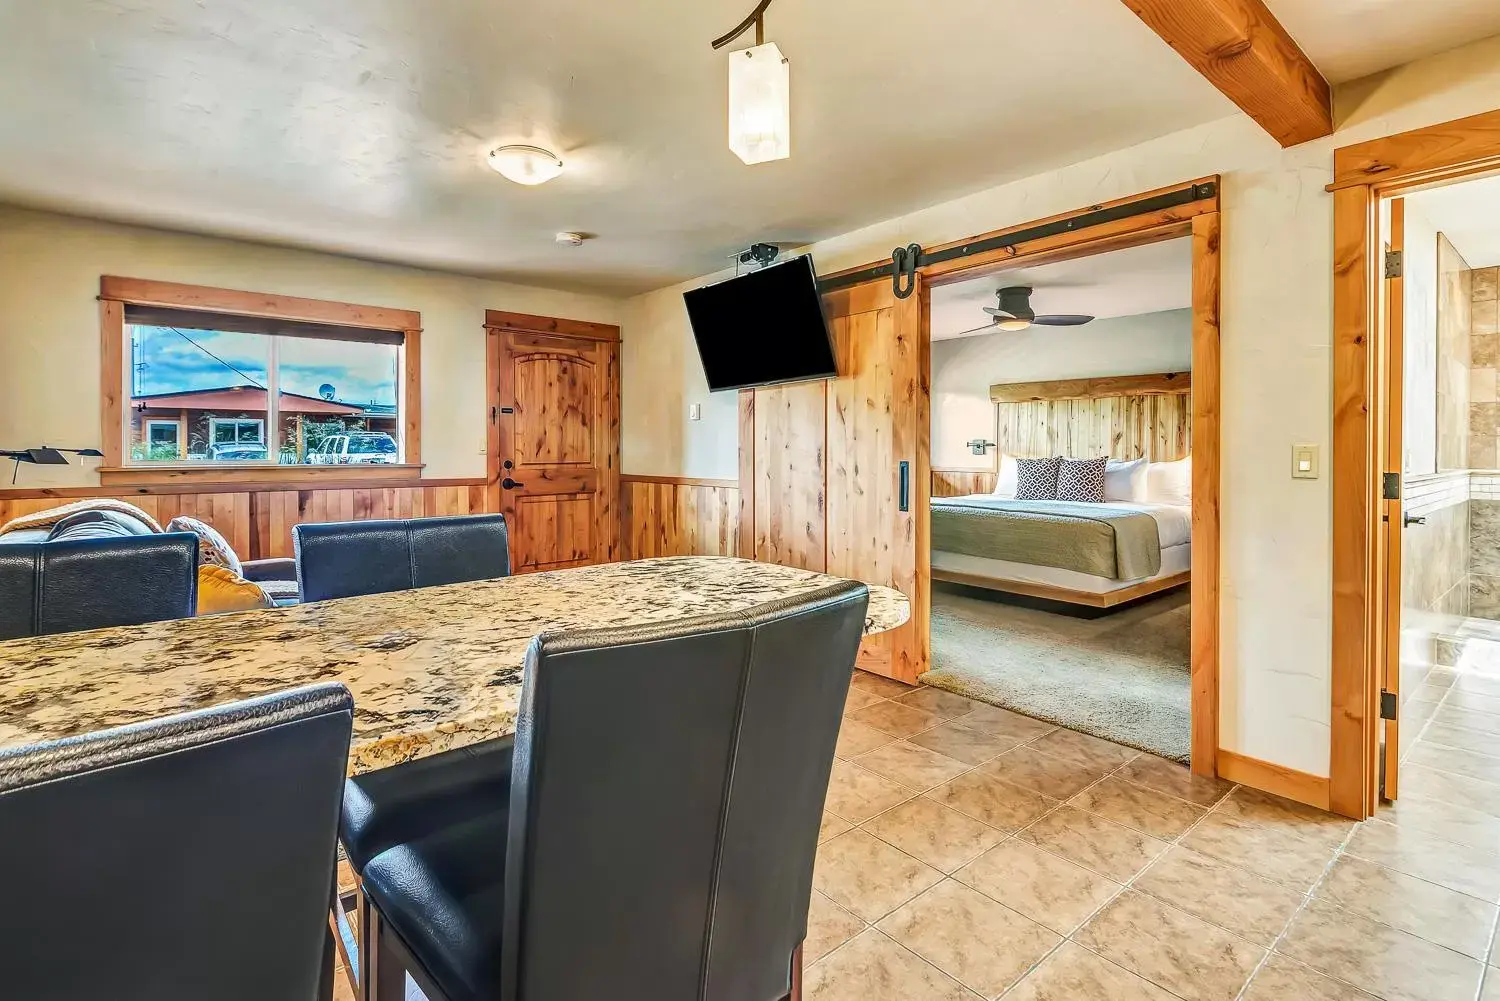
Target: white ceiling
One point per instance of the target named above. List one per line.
(1122, 283)
(1348, 39)
(1468, 214)
(360, 126)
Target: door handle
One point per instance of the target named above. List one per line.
(905, 486)
(510, 484)
(1407, 519)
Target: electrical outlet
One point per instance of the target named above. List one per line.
(1305, 462)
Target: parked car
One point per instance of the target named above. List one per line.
(245, 451)
(355, 449)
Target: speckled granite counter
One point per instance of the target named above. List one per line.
(430, 669)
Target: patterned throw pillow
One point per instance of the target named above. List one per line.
(1036, 479)
(1081, 480)
(213, 548)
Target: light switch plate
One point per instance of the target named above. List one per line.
(695, 411)
(1304, 462)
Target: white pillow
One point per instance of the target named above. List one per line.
(1125, 481)
(1005, 483)
(1170, 482)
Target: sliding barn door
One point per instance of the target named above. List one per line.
(835, 474)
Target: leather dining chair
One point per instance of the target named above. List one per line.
(659, 834)
(179, 859)
(344, 559)
(83, 581)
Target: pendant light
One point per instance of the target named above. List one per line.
(760, 94)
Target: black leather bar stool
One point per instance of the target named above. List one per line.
(86, 581)
(658, 841)
(185, 858)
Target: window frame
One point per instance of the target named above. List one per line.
(151, 423)
(116, 293)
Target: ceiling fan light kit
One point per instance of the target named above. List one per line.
(760, 95)
(529, 165)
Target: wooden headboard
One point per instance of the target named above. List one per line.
(1123, 417)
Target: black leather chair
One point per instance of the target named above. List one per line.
(89, 576)
(181, 859)
(659, 836)
(343, 559)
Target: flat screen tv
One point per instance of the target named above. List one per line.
(762, 328)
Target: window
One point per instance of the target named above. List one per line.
(258, 379)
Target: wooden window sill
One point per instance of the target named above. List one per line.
(227, 474)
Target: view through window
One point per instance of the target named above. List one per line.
(201, 395)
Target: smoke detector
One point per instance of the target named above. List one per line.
(570, 239)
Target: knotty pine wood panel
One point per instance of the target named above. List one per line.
(660, 518)
(228, 513)
(1120, 427)
(790, 482)
(962, 482)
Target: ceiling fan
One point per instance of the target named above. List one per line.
(1015, 313)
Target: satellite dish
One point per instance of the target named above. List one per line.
(326, 391)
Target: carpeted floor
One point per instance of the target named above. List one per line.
(1123, 677)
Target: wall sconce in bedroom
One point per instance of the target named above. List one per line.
(979, 446)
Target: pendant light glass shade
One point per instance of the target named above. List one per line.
(760, 104)
(526, 164)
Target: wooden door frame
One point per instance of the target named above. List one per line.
(1363, 175)
(498, 322)
(1200, 220)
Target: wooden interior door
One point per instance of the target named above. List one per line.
(554, 465)
(834, 474)
(1393, 389)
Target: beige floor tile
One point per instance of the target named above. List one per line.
(1430, 783)
(1145, 810)
(857, 738)
(1080, 747)
(945, 839)
(1419, 810)
(1282, 979)
(1461, 737)
(983, 945)
(1384, 960)
(1477, 701)
(1483, 684)
(963, 742)
(1479, 722)
(895, 719)
(1455, 762)
(831, 827)
(1491, 987)
(856, 794)
(1050, 890)
(1047, 774)
(1190, 957)
(1275, 813)
(1277, 855)
(874, 968)
(828, 927)
(858, 698)
(1093, 842)
(1416, 852)
(1005, 723)
(1072, 973)
(886, 688)
(913, 766)
(992, 800)
(1254, 908)
(1427, 693)
(1432, 912)
(938, 702)
(1175, 780)
(863, 874)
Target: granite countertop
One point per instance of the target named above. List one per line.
(431, 669)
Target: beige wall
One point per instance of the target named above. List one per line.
(1277, 318)
(49, 325)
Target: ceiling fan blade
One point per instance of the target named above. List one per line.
(1062, 320)
(988, 328)
(995, 312)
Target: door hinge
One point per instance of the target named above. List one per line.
(1390, 486)
(1394, 263)
(1387, 704)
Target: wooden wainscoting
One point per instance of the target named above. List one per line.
(257, 519)
(678, 516)
(962, 482)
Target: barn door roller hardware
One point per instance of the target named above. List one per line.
(905, 261)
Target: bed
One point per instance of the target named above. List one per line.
(1094, 554)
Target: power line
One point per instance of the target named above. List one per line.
(243, 375)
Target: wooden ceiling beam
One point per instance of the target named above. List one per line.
(1240, 47)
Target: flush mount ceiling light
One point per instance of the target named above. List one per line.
(526, 164)
(760, 94)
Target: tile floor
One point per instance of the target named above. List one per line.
(968, 852)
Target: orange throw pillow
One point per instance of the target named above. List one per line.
(222, 591)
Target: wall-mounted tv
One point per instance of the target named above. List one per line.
(762, 328)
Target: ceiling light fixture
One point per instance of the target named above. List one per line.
(529, 165)
(760, 94)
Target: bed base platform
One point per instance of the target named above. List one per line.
(1052, 592)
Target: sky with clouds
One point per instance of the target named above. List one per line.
(171, 361)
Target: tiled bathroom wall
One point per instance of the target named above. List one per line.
(1484, 350)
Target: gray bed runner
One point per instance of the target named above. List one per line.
(1105, 540)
